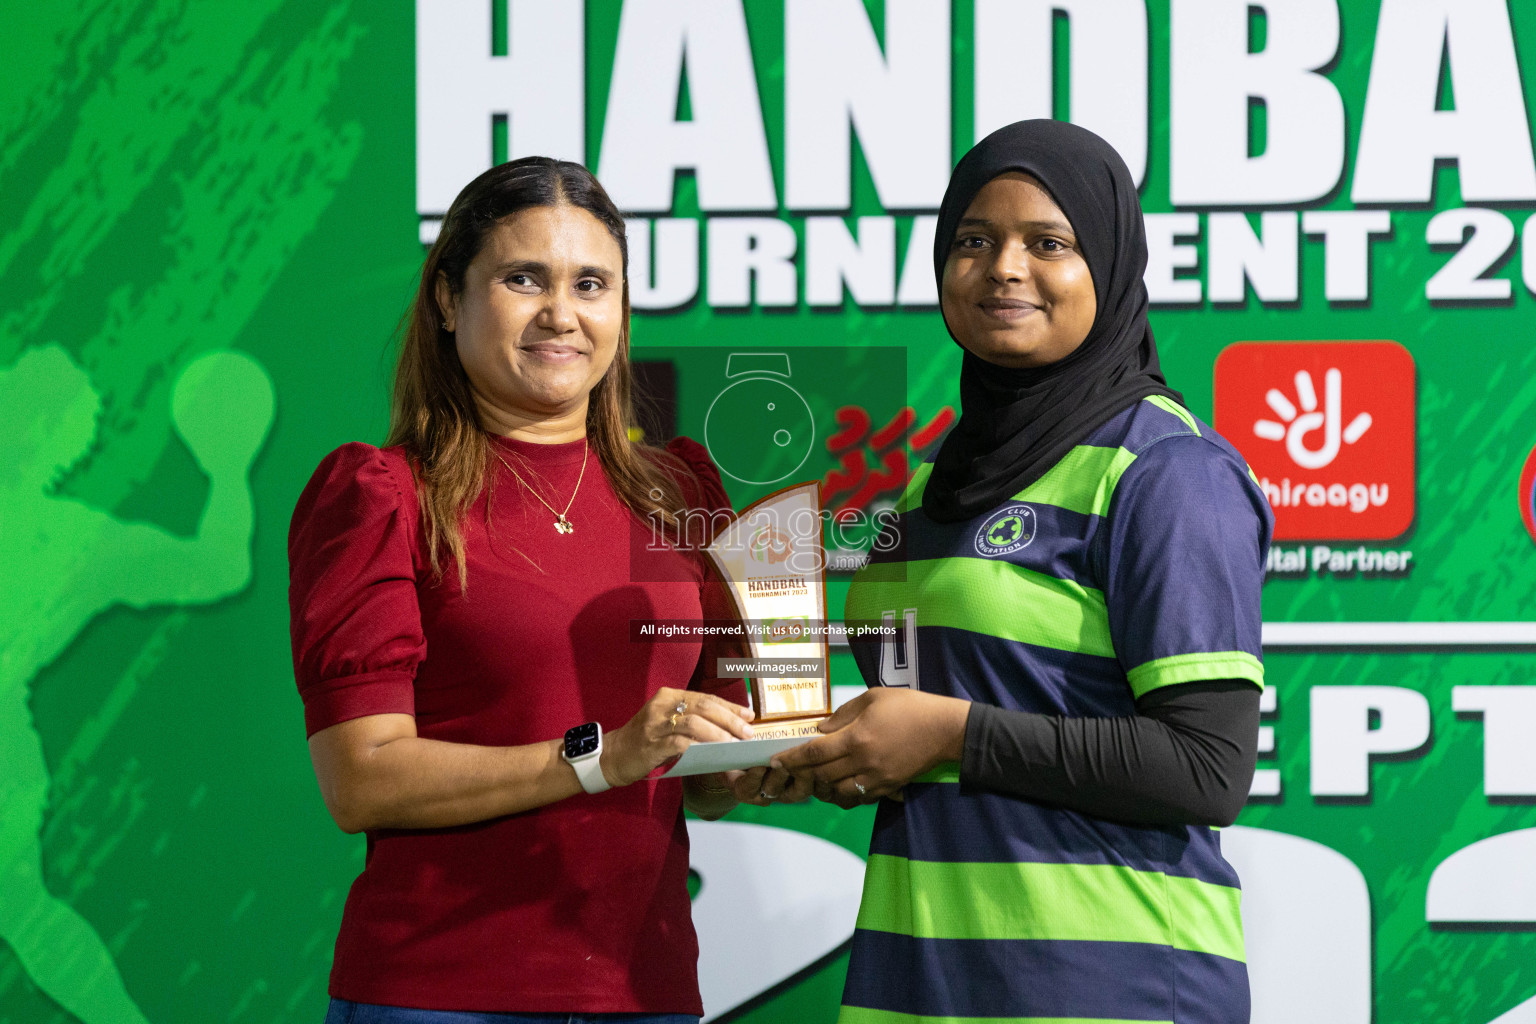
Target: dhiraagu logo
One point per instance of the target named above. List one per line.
(1006, 531)
(1330, 430)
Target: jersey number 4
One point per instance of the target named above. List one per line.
(898, 649)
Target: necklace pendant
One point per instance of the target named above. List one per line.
(563, 525)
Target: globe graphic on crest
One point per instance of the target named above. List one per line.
(1005, 531)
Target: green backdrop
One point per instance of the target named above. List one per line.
(183, 177)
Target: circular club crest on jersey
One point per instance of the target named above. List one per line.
(1528, 494)
(1006, 531)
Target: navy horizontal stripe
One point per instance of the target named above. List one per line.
(1210, 990)
(1043, 978)
(956, 824)
(1062, 545)
(1009, 673)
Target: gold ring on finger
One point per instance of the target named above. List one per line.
(677, 716)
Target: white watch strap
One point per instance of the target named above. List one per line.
(589, 772)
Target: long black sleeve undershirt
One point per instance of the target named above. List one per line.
(1185, 758)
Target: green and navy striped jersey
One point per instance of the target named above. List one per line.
(1134, 563)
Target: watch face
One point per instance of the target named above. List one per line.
(581, 740)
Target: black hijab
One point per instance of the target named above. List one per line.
(1017, 423)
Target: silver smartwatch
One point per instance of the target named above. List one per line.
(583, 748)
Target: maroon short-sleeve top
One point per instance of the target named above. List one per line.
(578, 906)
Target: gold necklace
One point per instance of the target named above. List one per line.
(562, 524)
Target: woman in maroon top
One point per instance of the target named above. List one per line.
(462, 597)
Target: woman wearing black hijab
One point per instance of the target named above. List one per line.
(1070, 701)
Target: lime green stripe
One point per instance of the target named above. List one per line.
(1083, 481)
(1190, 668)
(1068, 902)
(913, 495)
(946, 771)
(1209, 918)
(987, 596)
(867, 1015)
(1168, 405)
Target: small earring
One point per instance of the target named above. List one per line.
(446, 327)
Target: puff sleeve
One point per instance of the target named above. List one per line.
(355, 619)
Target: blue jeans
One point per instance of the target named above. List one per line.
(344, 1012)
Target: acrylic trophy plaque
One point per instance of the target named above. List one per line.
(772, 563)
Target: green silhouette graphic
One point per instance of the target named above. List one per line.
(67, 563)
